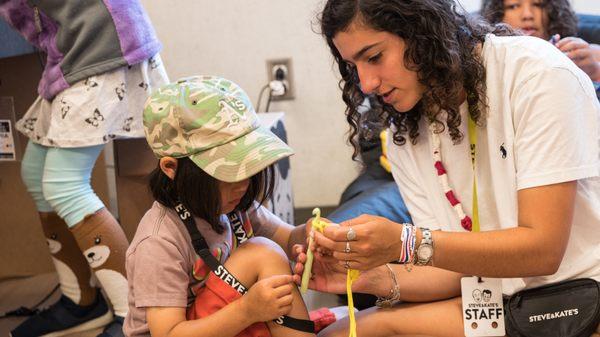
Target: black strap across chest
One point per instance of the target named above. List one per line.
(202, 249)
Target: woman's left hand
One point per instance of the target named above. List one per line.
(583, 54)
(327, 276)
(377, 241)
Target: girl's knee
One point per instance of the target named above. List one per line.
(66, 184)
(32, 171)
(256, 258)
(31, 174)
(72, 200)
(264, 250)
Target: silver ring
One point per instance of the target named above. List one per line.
(347, 250)
(351, 234)
(347, 264)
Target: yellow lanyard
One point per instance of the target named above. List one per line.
(473, 148)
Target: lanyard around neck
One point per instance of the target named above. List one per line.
(473, 150)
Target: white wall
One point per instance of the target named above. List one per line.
(587, 6)
(233, 39)
(471, 5)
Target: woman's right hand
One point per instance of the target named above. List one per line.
(269, 298)
(376, 241)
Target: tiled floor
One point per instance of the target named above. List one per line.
(27, 292)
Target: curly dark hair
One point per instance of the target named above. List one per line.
(441, 46)
(561, 17)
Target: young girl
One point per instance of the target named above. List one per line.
(550, 20)
(214, 171)
(493, 143)
(101, 64)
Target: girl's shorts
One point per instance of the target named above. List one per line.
(215, 295)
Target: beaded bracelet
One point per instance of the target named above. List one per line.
(394, 297)
(409, 234)
(413, 243)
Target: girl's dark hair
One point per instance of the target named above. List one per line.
(199, 192)
(441, 46)
(561, 18)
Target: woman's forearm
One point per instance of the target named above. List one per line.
(420, 284)
(534, 248)
(515, 252)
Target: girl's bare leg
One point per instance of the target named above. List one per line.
(259, 258)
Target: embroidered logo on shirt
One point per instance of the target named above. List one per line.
(503, 151)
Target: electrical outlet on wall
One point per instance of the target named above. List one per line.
(281, 70)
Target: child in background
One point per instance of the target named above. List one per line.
(101, 63)
(215, 164)
(552, 20)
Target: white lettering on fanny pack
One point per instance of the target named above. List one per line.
(553, 315)
(224, 275)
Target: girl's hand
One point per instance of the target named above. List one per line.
(377, 242)
(269, 298)
(308, 228)
(583, 54)
(327, 274)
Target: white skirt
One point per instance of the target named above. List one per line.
(95, 110)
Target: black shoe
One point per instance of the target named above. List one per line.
(114, 329)
(65, 317)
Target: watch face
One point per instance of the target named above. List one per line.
(425, 252)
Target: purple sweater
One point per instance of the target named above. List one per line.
(82, 38)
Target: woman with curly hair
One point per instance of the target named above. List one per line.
(499, 175)
(547, 19)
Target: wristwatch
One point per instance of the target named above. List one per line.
(425, 250)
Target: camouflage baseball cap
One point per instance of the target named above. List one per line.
(210, 120)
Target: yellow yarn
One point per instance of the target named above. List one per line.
(351, 275)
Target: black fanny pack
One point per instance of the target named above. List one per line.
(565, 309)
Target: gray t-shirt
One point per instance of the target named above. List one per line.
(163, 270)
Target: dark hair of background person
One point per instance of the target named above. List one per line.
(199, 192)
(441, 46)
(561, 17)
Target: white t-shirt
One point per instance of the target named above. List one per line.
(542, 128)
